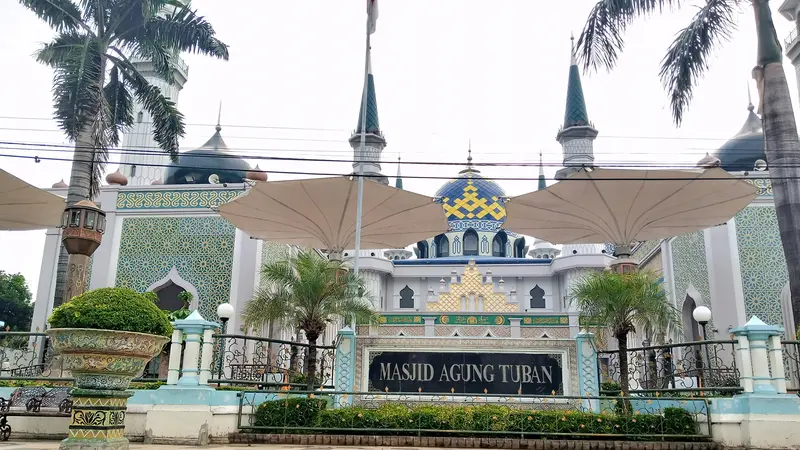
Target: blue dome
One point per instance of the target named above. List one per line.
(741, 152)
(472, 201)
(212, 158)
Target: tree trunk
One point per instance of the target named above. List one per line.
(622, 345)
(311, 368)
(782, 144)
(80, 180)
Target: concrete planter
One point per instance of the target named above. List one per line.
(103, 362)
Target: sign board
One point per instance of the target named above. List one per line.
(466, 372)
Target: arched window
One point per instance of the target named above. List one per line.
(537, 298)
(470, 243)
(691, 330)
(442, 246)
(422, 247)
(169, 297)
(519, 248)
(499, 244)
(140, 116)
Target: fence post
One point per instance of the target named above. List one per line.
(758, 338)
(345, 373)
(588, 381)
(193, 328)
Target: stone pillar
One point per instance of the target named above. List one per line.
(345, 367)
(516, 328)
(207, 356)
(175, 357)
(588, 379)
(758, 337)
(430, 328)
(192, 329)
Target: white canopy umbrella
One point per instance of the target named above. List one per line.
(623, 206)
(321, 213)
(25, 207)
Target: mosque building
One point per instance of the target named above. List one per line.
(477, 280)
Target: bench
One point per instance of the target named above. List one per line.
(34, 401)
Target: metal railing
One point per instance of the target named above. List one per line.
(704, 366)
(446, 414)
(269, 363)
(28, 357)
(791, 38)
(791, 365)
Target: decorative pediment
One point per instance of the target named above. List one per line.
(472, 294)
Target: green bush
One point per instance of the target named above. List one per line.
(610, 388)
(496, 420)
(116, 309)
(290, 412)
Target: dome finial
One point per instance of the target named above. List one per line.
(573, 60)
(750, 106)
(219, 117)
(469, 168)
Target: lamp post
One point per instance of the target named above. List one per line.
(82, 225)
(703, 315)
(224, 311)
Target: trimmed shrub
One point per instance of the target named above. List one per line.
(495, 420)
(117, 309)
(290, 412)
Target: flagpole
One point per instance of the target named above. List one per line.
(360, 160)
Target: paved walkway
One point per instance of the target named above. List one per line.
(53, 445)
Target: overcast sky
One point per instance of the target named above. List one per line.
(446, 71)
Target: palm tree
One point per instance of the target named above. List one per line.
(96, 80)
(307, 292)
(684, 65)
(624, 303)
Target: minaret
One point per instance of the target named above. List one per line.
(542, 181)
(143, 161)
(375, 143)
(577, 134)
(398, 181)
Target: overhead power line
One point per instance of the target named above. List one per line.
(333, 174)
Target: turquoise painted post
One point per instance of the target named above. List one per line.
(763, 347)
(588, 380)
(345, 373)
(192, 328)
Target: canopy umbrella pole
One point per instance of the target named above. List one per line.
(359, 160)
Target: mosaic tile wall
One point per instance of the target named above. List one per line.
(644, 249)
(200, 248)
(762, 263)
(690, 267)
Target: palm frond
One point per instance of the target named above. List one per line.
(601, 41)
(77, 83)
(185, 31)
(270, 304)
(624, 302)
(687, 58)
(61, 15)
(168, 124)
(120, 105)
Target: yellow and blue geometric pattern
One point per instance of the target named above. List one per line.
(472, 201)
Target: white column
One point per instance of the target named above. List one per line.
(208, 355)
(746, 367)
(45, 292)
(430, 330)
(516, 331)
(175, 357)
(776, 364)
(762, 381)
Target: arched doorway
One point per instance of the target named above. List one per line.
(691, 329)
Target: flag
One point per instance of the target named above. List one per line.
(372, 14)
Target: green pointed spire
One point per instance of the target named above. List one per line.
(398, 181)
(373, 125)
(576, 114)
(542, 181)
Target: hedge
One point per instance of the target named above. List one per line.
(391, 418)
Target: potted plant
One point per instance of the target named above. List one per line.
(105, 337)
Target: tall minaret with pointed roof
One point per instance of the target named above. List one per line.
(542, 180)
(398, 181)
(577, 135)
(143, 161)
(370, 156)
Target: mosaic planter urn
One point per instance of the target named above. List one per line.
(103, 362)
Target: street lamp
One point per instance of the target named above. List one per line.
(83, 225)
(703, 315)
(224, 311)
